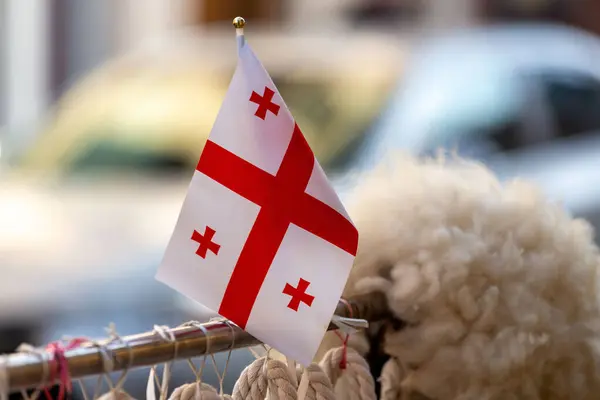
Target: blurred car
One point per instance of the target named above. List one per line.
(522, 98)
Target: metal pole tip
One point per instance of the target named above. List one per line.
(239, 22)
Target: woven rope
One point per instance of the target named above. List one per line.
(115, 389)
(353, 382)
(265, 378)
(279, 382)
(252, 383)
(42, 355)
(197, 391)
(319, 385)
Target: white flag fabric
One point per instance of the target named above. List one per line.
(262, 238)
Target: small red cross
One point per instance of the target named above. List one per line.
(298, 294)
(205, 242)
(264, 103)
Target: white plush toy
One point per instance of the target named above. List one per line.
(494, 289)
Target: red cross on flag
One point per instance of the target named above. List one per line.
(262, 238)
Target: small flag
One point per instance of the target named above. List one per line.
(262, 238)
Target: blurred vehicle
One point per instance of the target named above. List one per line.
(522, 98)
(87, 210)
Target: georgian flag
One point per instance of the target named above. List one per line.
(262, 237)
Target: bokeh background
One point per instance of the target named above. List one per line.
(105, 106)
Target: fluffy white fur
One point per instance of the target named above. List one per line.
(498, 285)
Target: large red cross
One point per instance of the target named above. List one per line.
(205, 242)
(282, 200)
(264, 103)
(298, 294)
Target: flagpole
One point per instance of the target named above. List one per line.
(239, 23)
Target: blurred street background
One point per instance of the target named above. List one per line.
(105, 106)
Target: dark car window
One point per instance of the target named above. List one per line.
(516, 111)
(106, 155)
(556, 104)
(574, 99)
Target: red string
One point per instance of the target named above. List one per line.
(57, 349)
(344, 360)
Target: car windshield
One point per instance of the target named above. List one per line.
(482, 92)
(104, 154)
(453, 105)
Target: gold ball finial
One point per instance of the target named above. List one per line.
(239, 22)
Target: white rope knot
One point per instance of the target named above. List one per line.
(165, 333)
(168, 336)
(353, 382)
(43, 356)
(265, 378)
(280, 383)
(115, 389)
(252, 383)
(197, 391)
(319, 384)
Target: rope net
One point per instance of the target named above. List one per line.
(100, 369)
